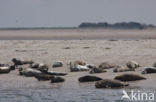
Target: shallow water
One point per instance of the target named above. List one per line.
(65, 95)
(60, 95)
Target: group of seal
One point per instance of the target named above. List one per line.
(32, 69)
(117, 82)
(41, 72)
(103, 67)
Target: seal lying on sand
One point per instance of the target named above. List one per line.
(57, 80)
(122, 69)
(55, 73)
(5, 70)
(43, 77)
(89, 78)
(96, 70)
(129, 77)
(57, 64)
(106, 65)
(29, 72)
(43, 67)
(20, 62)
(107, 83)
(149, 70)
(39, 66)
(132, 65)
(76, 67)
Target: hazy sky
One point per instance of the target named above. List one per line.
(68, 13)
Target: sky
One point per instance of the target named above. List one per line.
(70, 13)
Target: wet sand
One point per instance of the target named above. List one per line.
(16, 88)
(76, 34)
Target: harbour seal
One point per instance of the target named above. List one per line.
(122, 69)
(57, 80)
(43, 67)
(55, 73)
(89, 78)
(107, 83)
(76, 67)
(149, 70)
(39, 66)
(43, 77)
(57, 64)
(17, 61)
(132, 65)
(4, 70)
(129, 77)
(28, 72)
(96, 70)
(106, 65)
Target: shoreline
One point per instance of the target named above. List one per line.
(77, 34)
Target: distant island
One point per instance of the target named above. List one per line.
(119, 25)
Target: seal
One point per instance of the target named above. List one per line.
(129, 77)
(96, 70)
(89, 78)
(132, 65)
(5, 70)
(43, 77)
(149, 70)
(76, 67)
(57, 64)
(107, 83)
(28, 72)
(39, 66)
(57, 80)
(122, 69)
(17, 61)
(106, 65)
